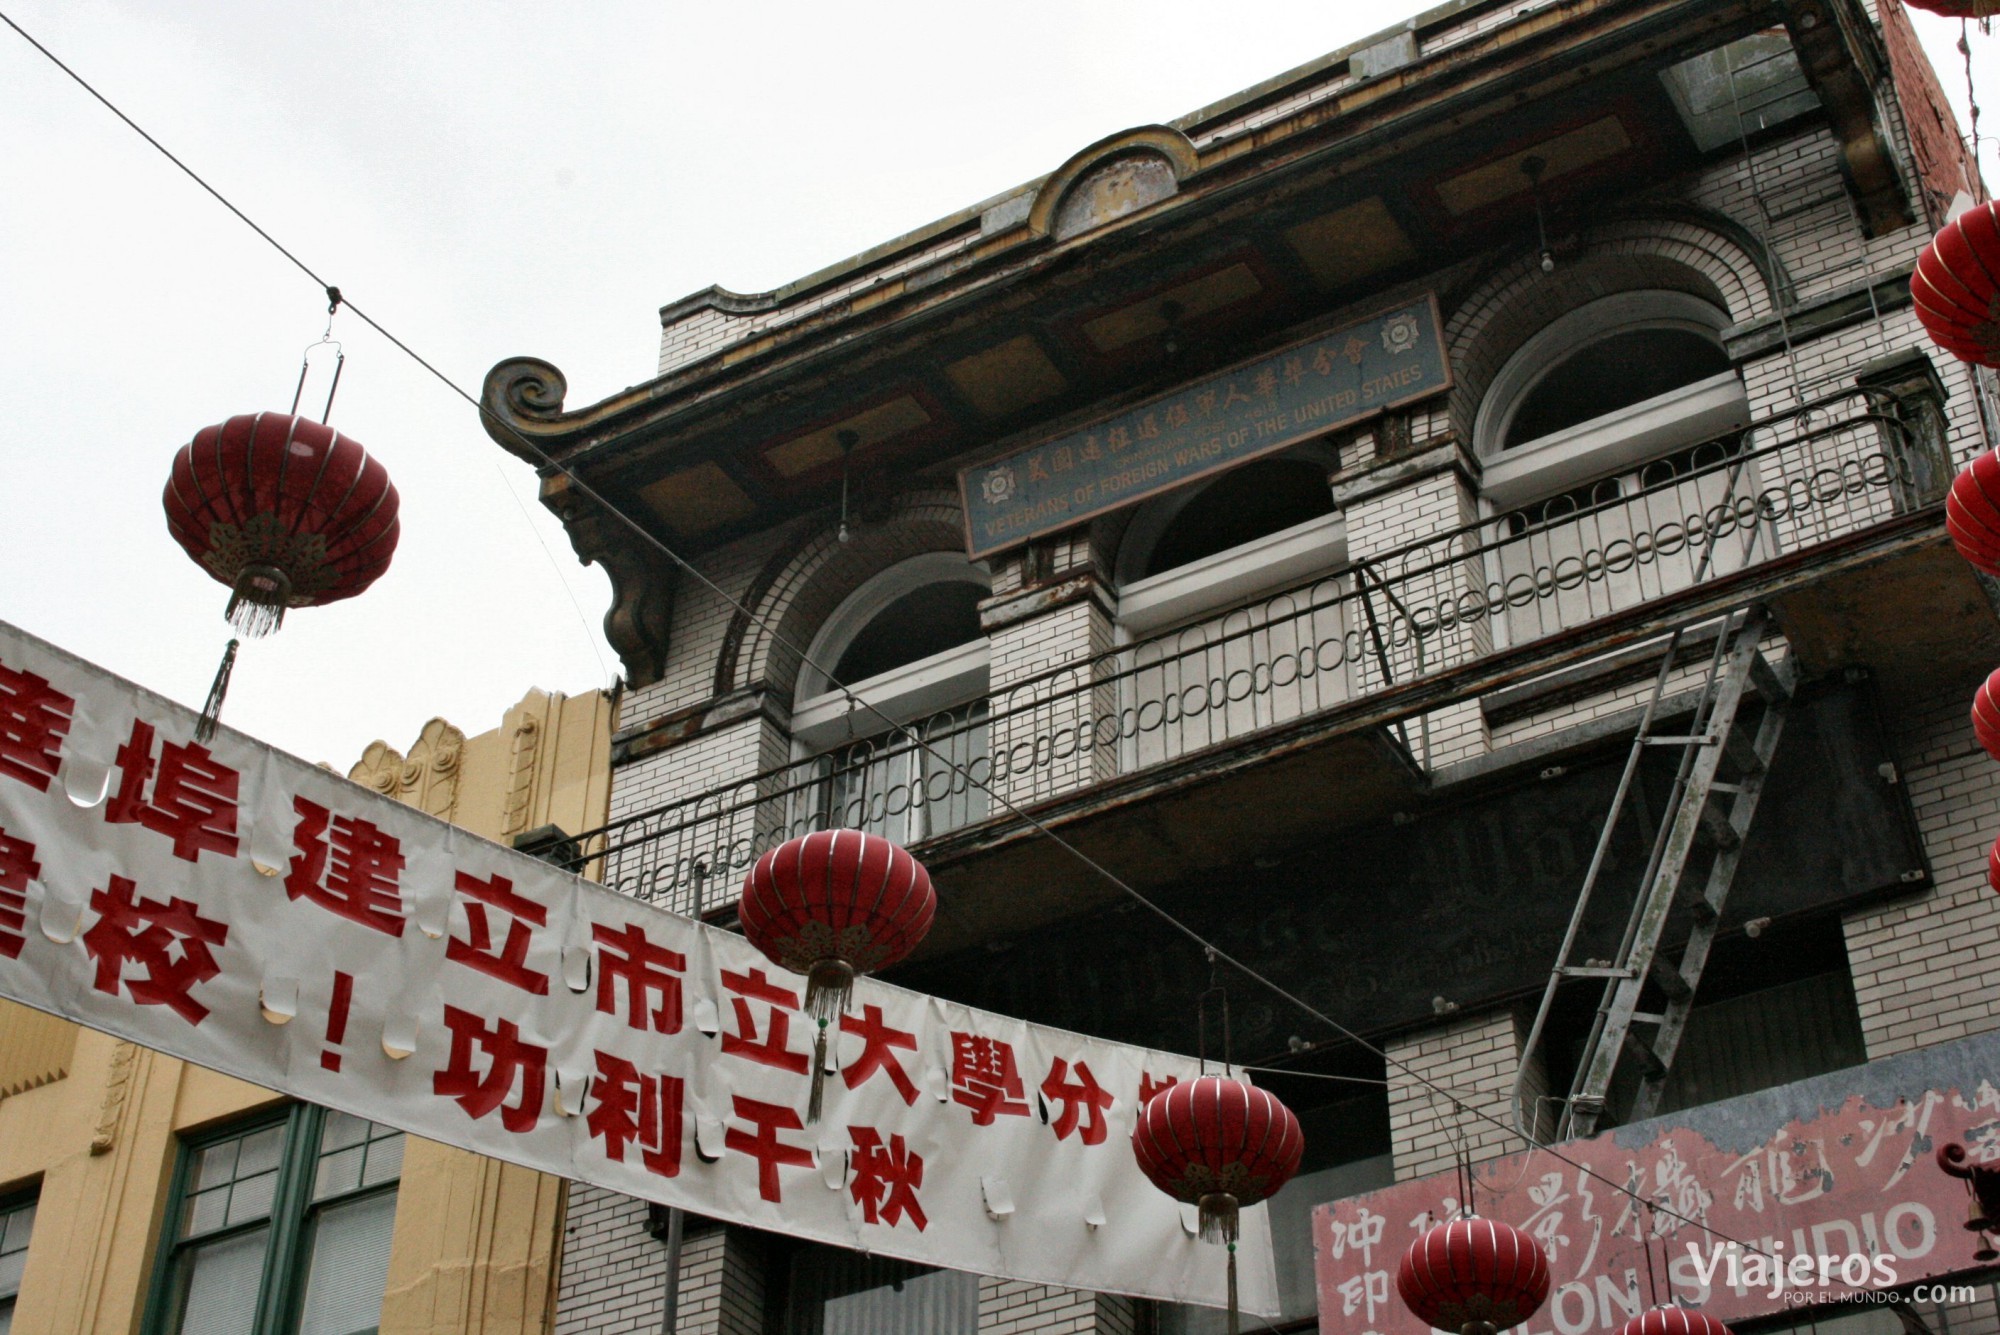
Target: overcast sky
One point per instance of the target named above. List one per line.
(488, 180)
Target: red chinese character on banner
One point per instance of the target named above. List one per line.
(169, 941)
(763, 1144)
(647, 970)
(1150, 1084)
(480, 1095)
(633, 1108)
(886, 1178)
(985, 1079)
(509, 963)
(772, 1049)
(17, 868)
(878, 1042)
(356, 877)
(193, 801)
(1081, 1098)
(34, 719)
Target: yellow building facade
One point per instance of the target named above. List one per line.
(97, 1134)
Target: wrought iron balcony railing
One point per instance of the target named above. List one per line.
(1805, 478)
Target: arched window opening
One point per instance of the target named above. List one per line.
(1603, 391)
(1614, 430)
(1613, 373)
(927, 620)
(1245, 504)
(908, 650)
(1264, 526)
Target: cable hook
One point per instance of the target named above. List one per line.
(326, 339)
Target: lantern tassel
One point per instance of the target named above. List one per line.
(829, 983)
(1217, 1212)
(258, 601)
(817, 1099)
(211, 709)
(1234, 1319)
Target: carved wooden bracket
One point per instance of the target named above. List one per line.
(1845, 63)
(641, 583)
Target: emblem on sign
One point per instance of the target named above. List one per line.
(1400, 334)
(998, 486)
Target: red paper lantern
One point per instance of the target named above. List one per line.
(1959, 9)
(831, 905)
(1219, 1145)
(1673, 1321)
(285, 511)
(1993, 867)
(1972, 512)
(1956, 285)
(1475, 1276)
(1986, 714)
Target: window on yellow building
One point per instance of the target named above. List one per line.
(279, 1228)
(17, 1221)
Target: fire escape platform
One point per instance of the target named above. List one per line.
(1894, 599)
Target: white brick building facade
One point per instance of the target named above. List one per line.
(1437, 632)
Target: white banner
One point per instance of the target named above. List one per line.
(241, 909)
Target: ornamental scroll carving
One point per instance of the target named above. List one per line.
(521, 407)
(426, 779)
(117, 1091)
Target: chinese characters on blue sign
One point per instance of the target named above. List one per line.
(1331, 380)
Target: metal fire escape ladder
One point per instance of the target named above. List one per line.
(1704, 812)
(1696, 817)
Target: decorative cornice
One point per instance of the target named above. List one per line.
(1159, 140)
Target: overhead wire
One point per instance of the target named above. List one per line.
(331, 291)
(547, 462)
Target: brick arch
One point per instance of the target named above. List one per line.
(804, 581)
(1709, 258)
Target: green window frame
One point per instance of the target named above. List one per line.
(17, 1223)
(278, 1225)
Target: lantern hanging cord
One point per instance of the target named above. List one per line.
(1972, 103)
(647, 538)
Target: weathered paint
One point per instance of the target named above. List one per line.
(1838, 1166)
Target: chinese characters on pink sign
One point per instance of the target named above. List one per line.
(1846, 1179)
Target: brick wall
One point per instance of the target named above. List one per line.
(1013, 1307)
(1475, 1059)
(613, 1272)
(1928, 970)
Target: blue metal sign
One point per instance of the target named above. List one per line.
(1331, 380)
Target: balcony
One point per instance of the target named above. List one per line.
(1319, 706)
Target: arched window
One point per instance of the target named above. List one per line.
(1612, 431)
(908, 646)
(1605, 389)
(1614, 372)
(1258, 527)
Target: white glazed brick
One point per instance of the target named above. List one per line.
(1928, 970)
(613, 1272)
(1042, 733)
(1377, 527)
(1016, 1307)
(1474, 1060)
(705, 332)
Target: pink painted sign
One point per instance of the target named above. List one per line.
(1845, 1180)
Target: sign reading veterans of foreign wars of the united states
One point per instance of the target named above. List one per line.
(1331, 380)
(241, 909)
